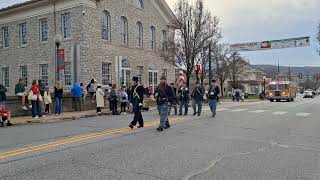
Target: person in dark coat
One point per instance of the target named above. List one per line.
(137, 95)
(183, 95)
(197, 98)
(164, 96)
(213, 94)
(3, 96)
(174, 101)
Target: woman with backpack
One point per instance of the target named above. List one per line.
(91, 89)
(123, 96)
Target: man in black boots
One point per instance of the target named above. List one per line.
(137, 94)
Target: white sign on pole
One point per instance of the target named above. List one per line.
(274, 44)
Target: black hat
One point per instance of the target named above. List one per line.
(135, 78)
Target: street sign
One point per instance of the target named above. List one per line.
(274, 44)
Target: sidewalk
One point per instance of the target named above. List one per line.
(65, 116)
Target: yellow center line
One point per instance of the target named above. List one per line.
(72, 140)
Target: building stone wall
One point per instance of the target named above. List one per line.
(86, 34)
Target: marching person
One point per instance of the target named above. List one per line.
(99, 98)
(164, 95)
(183, 94)
(175, 101)
(137, 94)
(213, 93)
(197, 99)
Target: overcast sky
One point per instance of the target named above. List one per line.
(259, 20)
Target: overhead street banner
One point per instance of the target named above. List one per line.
(274, 44)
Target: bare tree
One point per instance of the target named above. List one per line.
(196, 27)
(221, 64)
(237, 68)
(318, 37)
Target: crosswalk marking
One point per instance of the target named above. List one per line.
(258, 111)
(222, 109)
(280, 112)
(239, 110)
(303, 114)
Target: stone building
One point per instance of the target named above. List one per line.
(108, 40)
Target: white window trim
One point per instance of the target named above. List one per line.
(153, 38)
(139, 37)
(124, 30)
(107, 75)
(63, 27)
(4, 38)
(3, 76)
(106, 22)
(41, 73)
(41, 30)
(21, 34)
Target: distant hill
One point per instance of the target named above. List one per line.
(272, 70)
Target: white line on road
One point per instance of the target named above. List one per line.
(239, 110)
(258, 111)
(222, 109)
(280, 112)
(303, 114)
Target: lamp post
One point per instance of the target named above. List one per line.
(57, 41)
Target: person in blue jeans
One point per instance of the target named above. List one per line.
(164, 96)
(58, 91)
(213, 93)
(183, 95)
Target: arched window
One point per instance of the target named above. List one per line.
(124, 30)
(164, 40)
(152, 37)
(139, 35)
(139, 4)
(105, 26)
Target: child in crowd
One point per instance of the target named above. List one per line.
(4, 116)
(47, 100)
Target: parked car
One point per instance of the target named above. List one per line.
(308, 94)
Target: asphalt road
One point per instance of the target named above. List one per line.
(246, 141)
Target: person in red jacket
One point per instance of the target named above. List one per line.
(4, 116)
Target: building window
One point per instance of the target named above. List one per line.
(105, 26)
(5, 77)
(140, 73)
(152, 37)
(44, 28)
(106, 73)
(124, 30)
(153, 76)
(66, 26)
(44, 71)
(23, 34)
(165, 72)
(139, 35)
(67, 74)
(164, 39)
(24, 75)
(6, 37)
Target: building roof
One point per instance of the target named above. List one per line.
(4, 6)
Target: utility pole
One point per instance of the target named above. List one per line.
(210, 64)
(289, 74)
